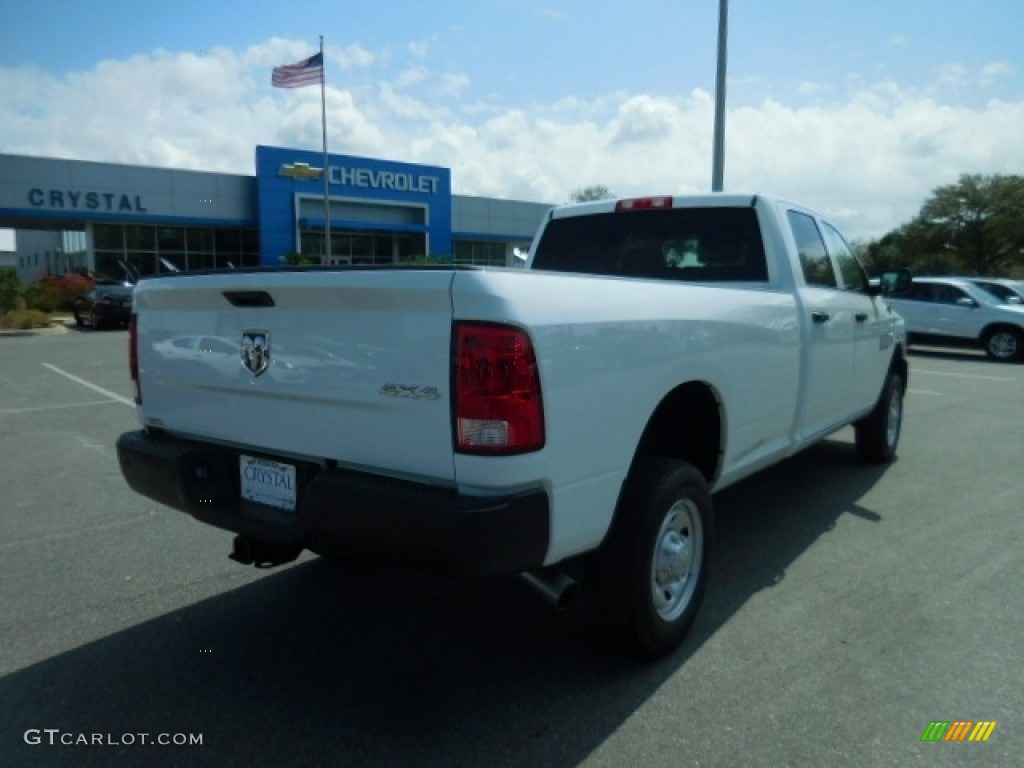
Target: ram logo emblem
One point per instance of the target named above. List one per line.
(256, 351)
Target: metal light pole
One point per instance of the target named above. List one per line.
(718, 163)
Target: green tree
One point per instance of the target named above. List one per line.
(916, 245)
(975, 226)
(979, 221)
(594, 192)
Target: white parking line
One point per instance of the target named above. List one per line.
(90, 404)
(962, 375)
(90, 385)
(77, 532)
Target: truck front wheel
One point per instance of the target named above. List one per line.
(878, 433)
(645, 585)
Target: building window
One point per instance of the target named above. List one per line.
(73, 242)
(140, 238)
(151, 249)
(108, 237)
(353, 247)
(144, 262)
(481, 253)
(108, 264)
(199, 240)
(312, 244)
(170, 239)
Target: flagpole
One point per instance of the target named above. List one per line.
(326, 173)
(718, 151)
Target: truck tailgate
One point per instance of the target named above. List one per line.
(343, 365)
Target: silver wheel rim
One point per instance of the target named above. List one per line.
(678, 557)
(894, 418)
(1003, 345)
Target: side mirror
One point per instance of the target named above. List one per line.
(894, 281)
(964, 301)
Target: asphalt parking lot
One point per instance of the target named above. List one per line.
(849, 607)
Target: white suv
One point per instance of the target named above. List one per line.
(953, 309)
(1007, 291)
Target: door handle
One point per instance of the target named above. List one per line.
(820, 317)
(861, 317)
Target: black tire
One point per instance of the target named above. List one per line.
(78, 320)
(642, 602)
(878, 433)
(1004, 344)
(95, 323)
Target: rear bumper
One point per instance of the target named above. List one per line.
(345, 513)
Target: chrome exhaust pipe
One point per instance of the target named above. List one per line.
(554, 586)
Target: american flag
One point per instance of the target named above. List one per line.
(306, 72)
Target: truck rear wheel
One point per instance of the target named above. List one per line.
(645, 585)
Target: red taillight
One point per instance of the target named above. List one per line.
(644, 203)
(133, 356)
(497, 403)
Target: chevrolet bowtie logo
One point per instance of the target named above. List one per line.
(301, 171)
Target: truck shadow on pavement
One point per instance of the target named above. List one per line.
(327, 663)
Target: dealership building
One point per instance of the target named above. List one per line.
(111, 219)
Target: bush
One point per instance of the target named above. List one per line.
(11, 290)
(420, 258)
(56, 294)
(301, 259)
(24, 320)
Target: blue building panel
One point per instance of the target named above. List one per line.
(286, 176)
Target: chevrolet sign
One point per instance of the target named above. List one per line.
(301, 171)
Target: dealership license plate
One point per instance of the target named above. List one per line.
(268, 482)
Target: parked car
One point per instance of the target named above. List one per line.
(1007, 291)
(948, 309)
(105, 304)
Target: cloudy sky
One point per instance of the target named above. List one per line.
(858, 108)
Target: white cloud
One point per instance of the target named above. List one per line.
(453, 84)
(646, 121)
(957, 77)
(996, 70)
(952, 76)
(412, 77)
(869, 157)
(352, 56)
(403, 106)
(553, 14)
(419, 49)
(810, 88)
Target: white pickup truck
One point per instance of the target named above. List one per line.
(568, 421)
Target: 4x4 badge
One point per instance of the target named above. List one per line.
(256, 351)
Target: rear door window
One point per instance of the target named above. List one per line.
(814, 261)
(853, 274)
